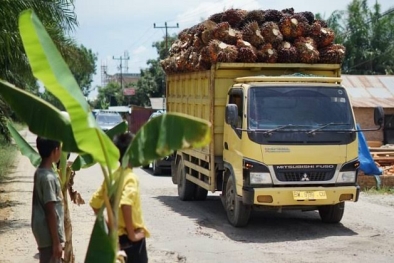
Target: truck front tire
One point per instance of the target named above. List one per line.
(332, 214)
(238, 214)
(186, 189)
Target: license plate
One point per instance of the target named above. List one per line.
(309, 195)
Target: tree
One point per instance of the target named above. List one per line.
(367, 35)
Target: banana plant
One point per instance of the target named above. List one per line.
(81, 134)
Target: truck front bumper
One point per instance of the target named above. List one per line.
(290, 196)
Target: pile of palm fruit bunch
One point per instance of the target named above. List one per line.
(257, 36)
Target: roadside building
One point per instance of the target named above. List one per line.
(366, 92)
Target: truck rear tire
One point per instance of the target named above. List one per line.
(200, 194)
(156, 169)
(332, 214)
(186, 188)
(238, 214)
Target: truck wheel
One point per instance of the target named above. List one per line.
(186, 188)
(200, 194)
(155, 168)
(332, 213)
(238, 214)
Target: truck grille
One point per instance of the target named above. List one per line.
(304, 175)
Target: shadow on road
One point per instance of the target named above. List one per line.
(263, 227)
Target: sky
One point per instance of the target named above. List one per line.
(110, 28)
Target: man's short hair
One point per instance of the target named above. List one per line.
(122, 141)
(46, 146)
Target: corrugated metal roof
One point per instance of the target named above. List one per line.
(368, 91)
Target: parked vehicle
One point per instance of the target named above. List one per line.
(158, 166)
(106, 120)
(283, 137)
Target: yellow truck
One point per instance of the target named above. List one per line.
(283, 137)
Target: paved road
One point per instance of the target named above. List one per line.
(199, 231)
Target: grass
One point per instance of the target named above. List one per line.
(8, 152)
(383, 190)
(7, 157)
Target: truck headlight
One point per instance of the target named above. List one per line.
(260, 178)
(347, 177)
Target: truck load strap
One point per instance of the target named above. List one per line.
(276, 79)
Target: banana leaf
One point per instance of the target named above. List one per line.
(24, 146)
(49, 67)
(42, 118)
(86, 160)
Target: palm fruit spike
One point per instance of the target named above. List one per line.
(252, 34)
(267, 54)
(332, 54)
(287, 53)
(254, 15)
(272, 15)
(271, 33)
(307, 51)
(325, 38)
(234, 17)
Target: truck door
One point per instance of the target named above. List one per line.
(232, 153)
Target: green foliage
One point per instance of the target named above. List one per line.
(7, 157)
(367, 33)
(49, 67)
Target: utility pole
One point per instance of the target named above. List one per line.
(166, 27)
(164, 90)
(125, 58)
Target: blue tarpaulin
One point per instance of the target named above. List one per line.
(367, 163)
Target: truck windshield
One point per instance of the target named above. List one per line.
(303, 106)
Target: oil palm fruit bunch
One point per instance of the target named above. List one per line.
(234, 17)
(217, 18)
(246, 52)
(273, 15)
(307, 50)
(225, 33)
(288, 11)
(287, 53)
(254, 15)
(267, 54)
(251, 33)
(204, 59)
(227, 53)
(309, 16)
(325, 37)
(332, 54)
(271, 33)
(293, 26)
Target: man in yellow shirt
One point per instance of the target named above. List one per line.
(131, 227)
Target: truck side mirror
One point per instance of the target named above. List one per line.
(231, 114)
(378, 116)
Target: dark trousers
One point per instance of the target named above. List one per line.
(46, 255)
(136, 251)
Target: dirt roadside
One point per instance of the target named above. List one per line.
(199, 232)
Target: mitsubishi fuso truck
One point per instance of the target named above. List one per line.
(283, 136)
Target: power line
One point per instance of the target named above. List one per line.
(121, 59)
(166, 27)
